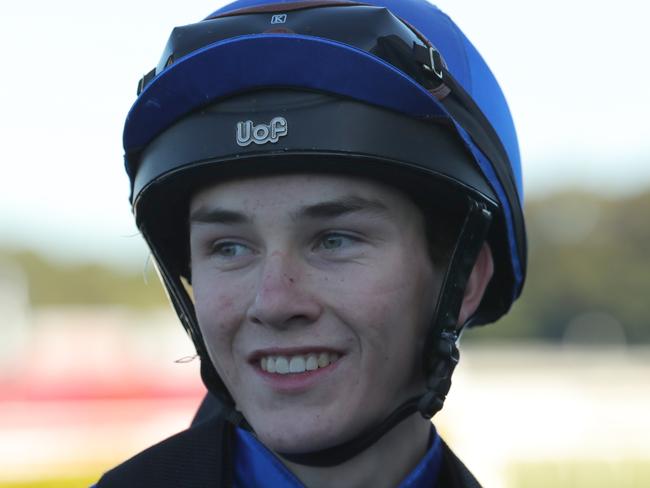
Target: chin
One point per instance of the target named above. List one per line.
(299, 432)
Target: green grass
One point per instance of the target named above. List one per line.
(560, 474)
(51, 483)
(581, 474)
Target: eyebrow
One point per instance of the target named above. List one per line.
(339, 207)
(218, 215)
(322, 210)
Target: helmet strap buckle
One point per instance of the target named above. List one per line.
(439, 380)
(435, 62)
(431, 60)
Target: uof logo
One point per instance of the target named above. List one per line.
(261, 133)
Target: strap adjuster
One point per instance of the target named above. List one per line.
(435, 62)
(431, 60)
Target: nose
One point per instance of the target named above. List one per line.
(281, 299)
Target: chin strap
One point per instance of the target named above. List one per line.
(439, 380)
(333, 456)
(441, 353)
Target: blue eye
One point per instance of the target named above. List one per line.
(230, 250)
(332, 242)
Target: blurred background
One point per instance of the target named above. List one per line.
(94, 366)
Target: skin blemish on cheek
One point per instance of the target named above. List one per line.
(225, 303)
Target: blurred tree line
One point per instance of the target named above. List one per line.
(55, 283)
(588, 272)
(588, 277)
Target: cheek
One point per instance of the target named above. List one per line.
(388, 305)
(212, 303)
(220, 310)
(216, 299)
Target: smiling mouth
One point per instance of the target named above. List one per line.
(298, 363)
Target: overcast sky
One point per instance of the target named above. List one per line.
(575, 74)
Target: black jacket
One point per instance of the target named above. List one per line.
(200, 457)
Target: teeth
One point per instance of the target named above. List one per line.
(312, 363)
(270, 365)
(281, 365)
(297, 364)
(323, 359)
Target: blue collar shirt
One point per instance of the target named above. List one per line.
(256, 466)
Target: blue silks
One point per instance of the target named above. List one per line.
(255, 465)
(462, 58)
(263, 60)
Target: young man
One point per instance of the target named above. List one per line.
(331, 191)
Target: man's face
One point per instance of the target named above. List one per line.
(312, 293)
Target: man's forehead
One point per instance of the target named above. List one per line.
(298, 189)
(319, 210)
(304, 194)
